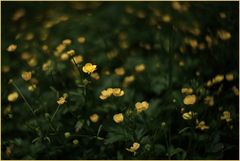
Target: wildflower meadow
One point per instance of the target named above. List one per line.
(120, 80)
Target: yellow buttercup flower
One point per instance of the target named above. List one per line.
(46, 65)
(31, 88)
(140, 68)
(89, 68)
(235, 90)
(209, 100)
(12, 97)
(71, 52)
(94, 118)
(64, 57)
(190, 99)
(32, 62)
(111, 91)
(201, 125)
(226, 116)
(26, 76)
(118, 118)
(120, 71)
(67, 42)
(62, 100)
(141, 106)
(134, 148)
(166, 18)
(218, 79)
(78, 59)
(12, 48)
(229, 77)
(187, 90)
(128, 80)
(188, 115)
(118, 92)
(224, 35)
(81, 39)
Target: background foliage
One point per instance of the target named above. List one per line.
(170, 39)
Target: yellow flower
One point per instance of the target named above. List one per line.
(75, 141)
(94, 118)
(187, 90)
(217, 79)
(118, 118)
(209, 100)
(5, 69)
(71, 52)
(235, 90)
(120, 71)
(78, 59)
(118, 92)
(32, 62)
(226, 116)
(140, 68)
(141, 106)
(190, 99)
(81, 39)
(166, 18)
(209, 83)
(134, 148)
(128, 79)
(46, 65)
(31, 88)
(229, 77)
(67, 134)
(95, 76)
(62, 100)
(188, 115)
(12, 97)
(67, 42)
(224, 35)
(64, 56)
(89, 68)
(111, 91)
(12, 48)
(201, 125)
(26, 76)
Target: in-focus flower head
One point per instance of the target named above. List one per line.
(118, 118)
(26, 75)
(12, 97)
(134, 148)
(141, 106)
(89, 68)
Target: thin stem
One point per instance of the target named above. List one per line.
(55, 112)
(25, 100)
(77, 67)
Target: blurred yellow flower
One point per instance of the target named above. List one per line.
(62, 100)
(141, 106)
(67, 134)
(12, 97)
(64, 56)
(201, 125)
(140, 68)
(229, 76)
(26, 76)
(120, 71)
(81, 39)
(71, 52)
(89, 68)
(46, 65)
(134, 148)
(118, 92)
(166, 18)
(218, 78)
(190, 99)
(78, 59)
(209, 100)
(226, 116)
(224, 35)
(75, 142)
(94, 118)
(188, 115)
(67, 42)
(128, 80)
(187, 90)
(31, 88)
(235, 90)
(32, 62)
(118, 118)
(12, 48)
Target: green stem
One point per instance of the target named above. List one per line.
(55, 113)
(74, 62)
(25, 100)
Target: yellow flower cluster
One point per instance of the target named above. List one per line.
(118, 118)
(134, 148)
(111, 91)
(141, 106)
(12, 97)
(89, 68)
(26, 76)
(226, 116)
(201, 125)
(190, 99)
(217, 79)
